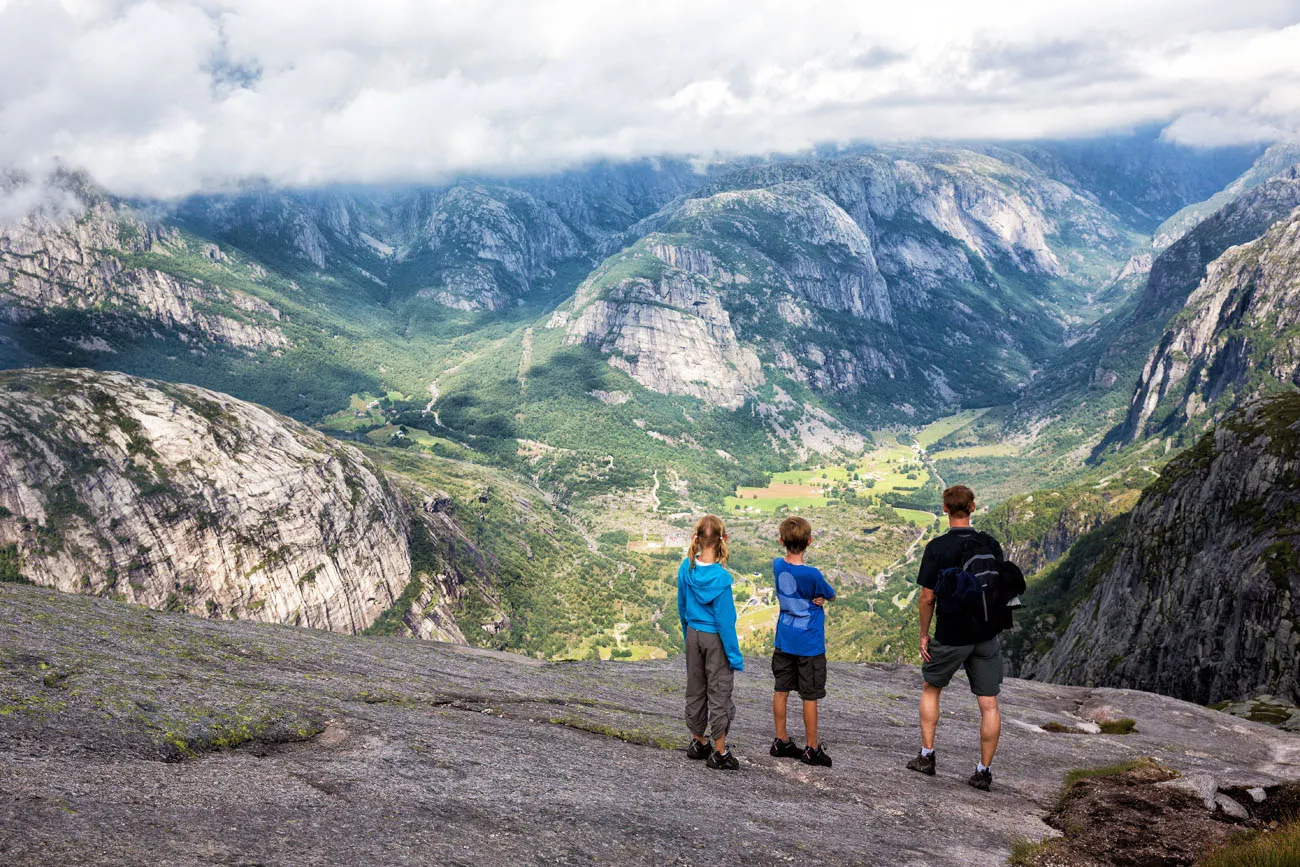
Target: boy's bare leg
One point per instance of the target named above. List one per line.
(810, 722)
(779, 700)
(990, 728)
(700, 738)
(720, 744)
(930, 715)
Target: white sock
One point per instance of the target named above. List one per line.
(926, 753)
(981, 767)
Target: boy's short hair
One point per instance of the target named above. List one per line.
(959, 501)
(795, 534)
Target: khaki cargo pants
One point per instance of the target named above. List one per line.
(709, 708)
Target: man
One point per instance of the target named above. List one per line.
(961, 640)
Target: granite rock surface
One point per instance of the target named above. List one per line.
(130, 736)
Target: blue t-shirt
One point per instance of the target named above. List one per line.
(801, 628)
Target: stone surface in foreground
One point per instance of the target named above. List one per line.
(129, 736)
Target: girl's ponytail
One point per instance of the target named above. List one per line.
(709, 533)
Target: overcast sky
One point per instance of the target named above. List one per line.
(164, 98)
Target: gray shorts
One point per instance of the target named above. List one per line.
(983, 664)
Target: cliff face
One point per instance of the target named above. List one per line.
(1236, 336)
(1274, 161)
(859, 275)
(470, 246)
(1177, 271)
(670, 334)
(492, 246)
(1037, 529)
(87, 264)
(175, 497)
(1199, 597)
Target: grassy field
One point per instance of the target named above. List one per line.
(944, 427)
(916, 517)
(993, 450)
(889, 468)
(769, 505)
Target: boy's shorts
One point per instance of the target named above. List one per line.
(805, 674)
(983, 664)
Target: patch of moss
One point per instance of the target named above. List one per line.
(33, 705)
(640, 737)
(1145, 764)
(1060, 728)
(209, 731)
(1119, 727)
(1270, 714)
(1027, 853)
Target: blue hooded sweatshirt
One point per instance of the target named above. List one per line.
(705, 604)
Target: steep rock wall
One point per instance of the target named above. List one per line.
(176, 497)
(1238, 334)
(1200, 596)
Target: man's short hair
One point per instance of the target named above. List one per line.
(795, 534)
(959, 501)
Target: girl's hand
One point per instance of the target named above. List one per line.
(819, 601)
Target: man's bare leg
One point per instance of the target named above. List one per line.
(930, 715)
(990, 727)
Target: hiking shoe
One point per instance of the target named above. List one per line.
(785, 750)
(723, 761)
(923, 764)
(981, 780)
(815, 756)
(698, 750)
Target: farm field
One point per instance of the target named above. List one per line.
(944, 427)
(993, 450)
(382, 435)
(890, 468)
(916, 517)
(364, 412)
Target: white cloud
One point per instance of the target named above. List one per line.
(165, 97)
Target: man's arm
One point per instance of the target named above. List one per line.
(928, 577)
(926, 606)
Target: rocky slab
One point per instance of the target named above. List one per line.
(130, 736)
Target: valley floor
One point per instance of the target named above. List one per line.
(129, 736)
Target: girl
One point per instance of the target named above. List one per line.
(708, 615)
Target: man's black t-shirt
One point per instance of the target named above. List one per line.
(945, 553)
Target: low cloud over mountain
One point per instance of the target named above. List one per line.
(164, 99)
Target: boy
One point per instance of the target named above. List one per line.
(799, 659)
(958, 643)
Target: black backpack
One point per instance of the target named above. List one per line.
(983, 590)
